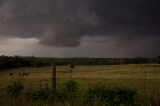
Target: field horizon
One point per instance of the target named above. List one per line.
(132, 75)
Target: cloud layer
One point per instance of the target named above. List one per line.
(121, 25)
(65, 22)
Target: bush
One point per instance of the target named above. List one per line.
(123, 96)
(70, 87)
(95, 95)
(116, 96)
(154, 99)
(39, 95)
(14, 89)
(70, 90)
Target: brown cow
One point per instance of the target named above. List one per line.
(25, 74)
(11, 74)
(19, 74)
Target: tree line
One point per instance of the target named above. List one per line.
(7, 62)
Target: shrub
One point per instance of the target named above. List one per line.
(154, 99)
(70, 87)
(95, 94)
(70, 90)
(14, 89)
(116, 96)
(39, 95)
(123, 96)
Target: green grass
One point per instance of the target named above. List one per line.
(112, 75)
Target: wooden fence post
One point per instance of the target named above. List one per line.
(53, 77)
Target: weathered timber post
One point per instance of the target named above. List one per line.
(53, 77)
(145, 79)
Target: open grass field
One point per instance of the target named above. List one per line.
(112, 75)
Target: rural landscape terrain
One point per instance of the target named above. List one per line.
(139, 78)
(79, 53)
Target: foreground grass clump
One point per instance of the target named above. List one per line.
(70, 94)
(39, 95)
(67, 93)
(14, 89)
(70, 90)
(99, 94)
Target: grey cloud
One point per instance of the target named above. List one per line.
(147, 47)
(65, 22)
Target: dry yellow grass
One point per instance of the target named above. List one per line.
(128, 75)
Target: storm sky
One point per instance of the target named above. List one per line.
(80, 28)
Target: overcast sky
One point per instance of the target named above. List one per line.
(80, 28)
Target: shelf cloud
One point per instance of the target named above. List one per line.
(66, 23)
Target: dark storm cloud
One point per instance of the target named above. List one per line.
(65, 22)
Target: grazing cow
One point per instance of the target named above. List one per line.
(19, 74)
(71, 67)
(11, 74)
(25, 74)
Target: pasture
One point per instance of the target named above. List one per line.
(132, 76)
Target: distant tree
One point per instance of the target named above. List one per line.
(158, 59)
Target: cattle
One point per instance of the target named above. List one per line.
(19, 74)
(25, 74)
(71, 67)
(11, 74)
